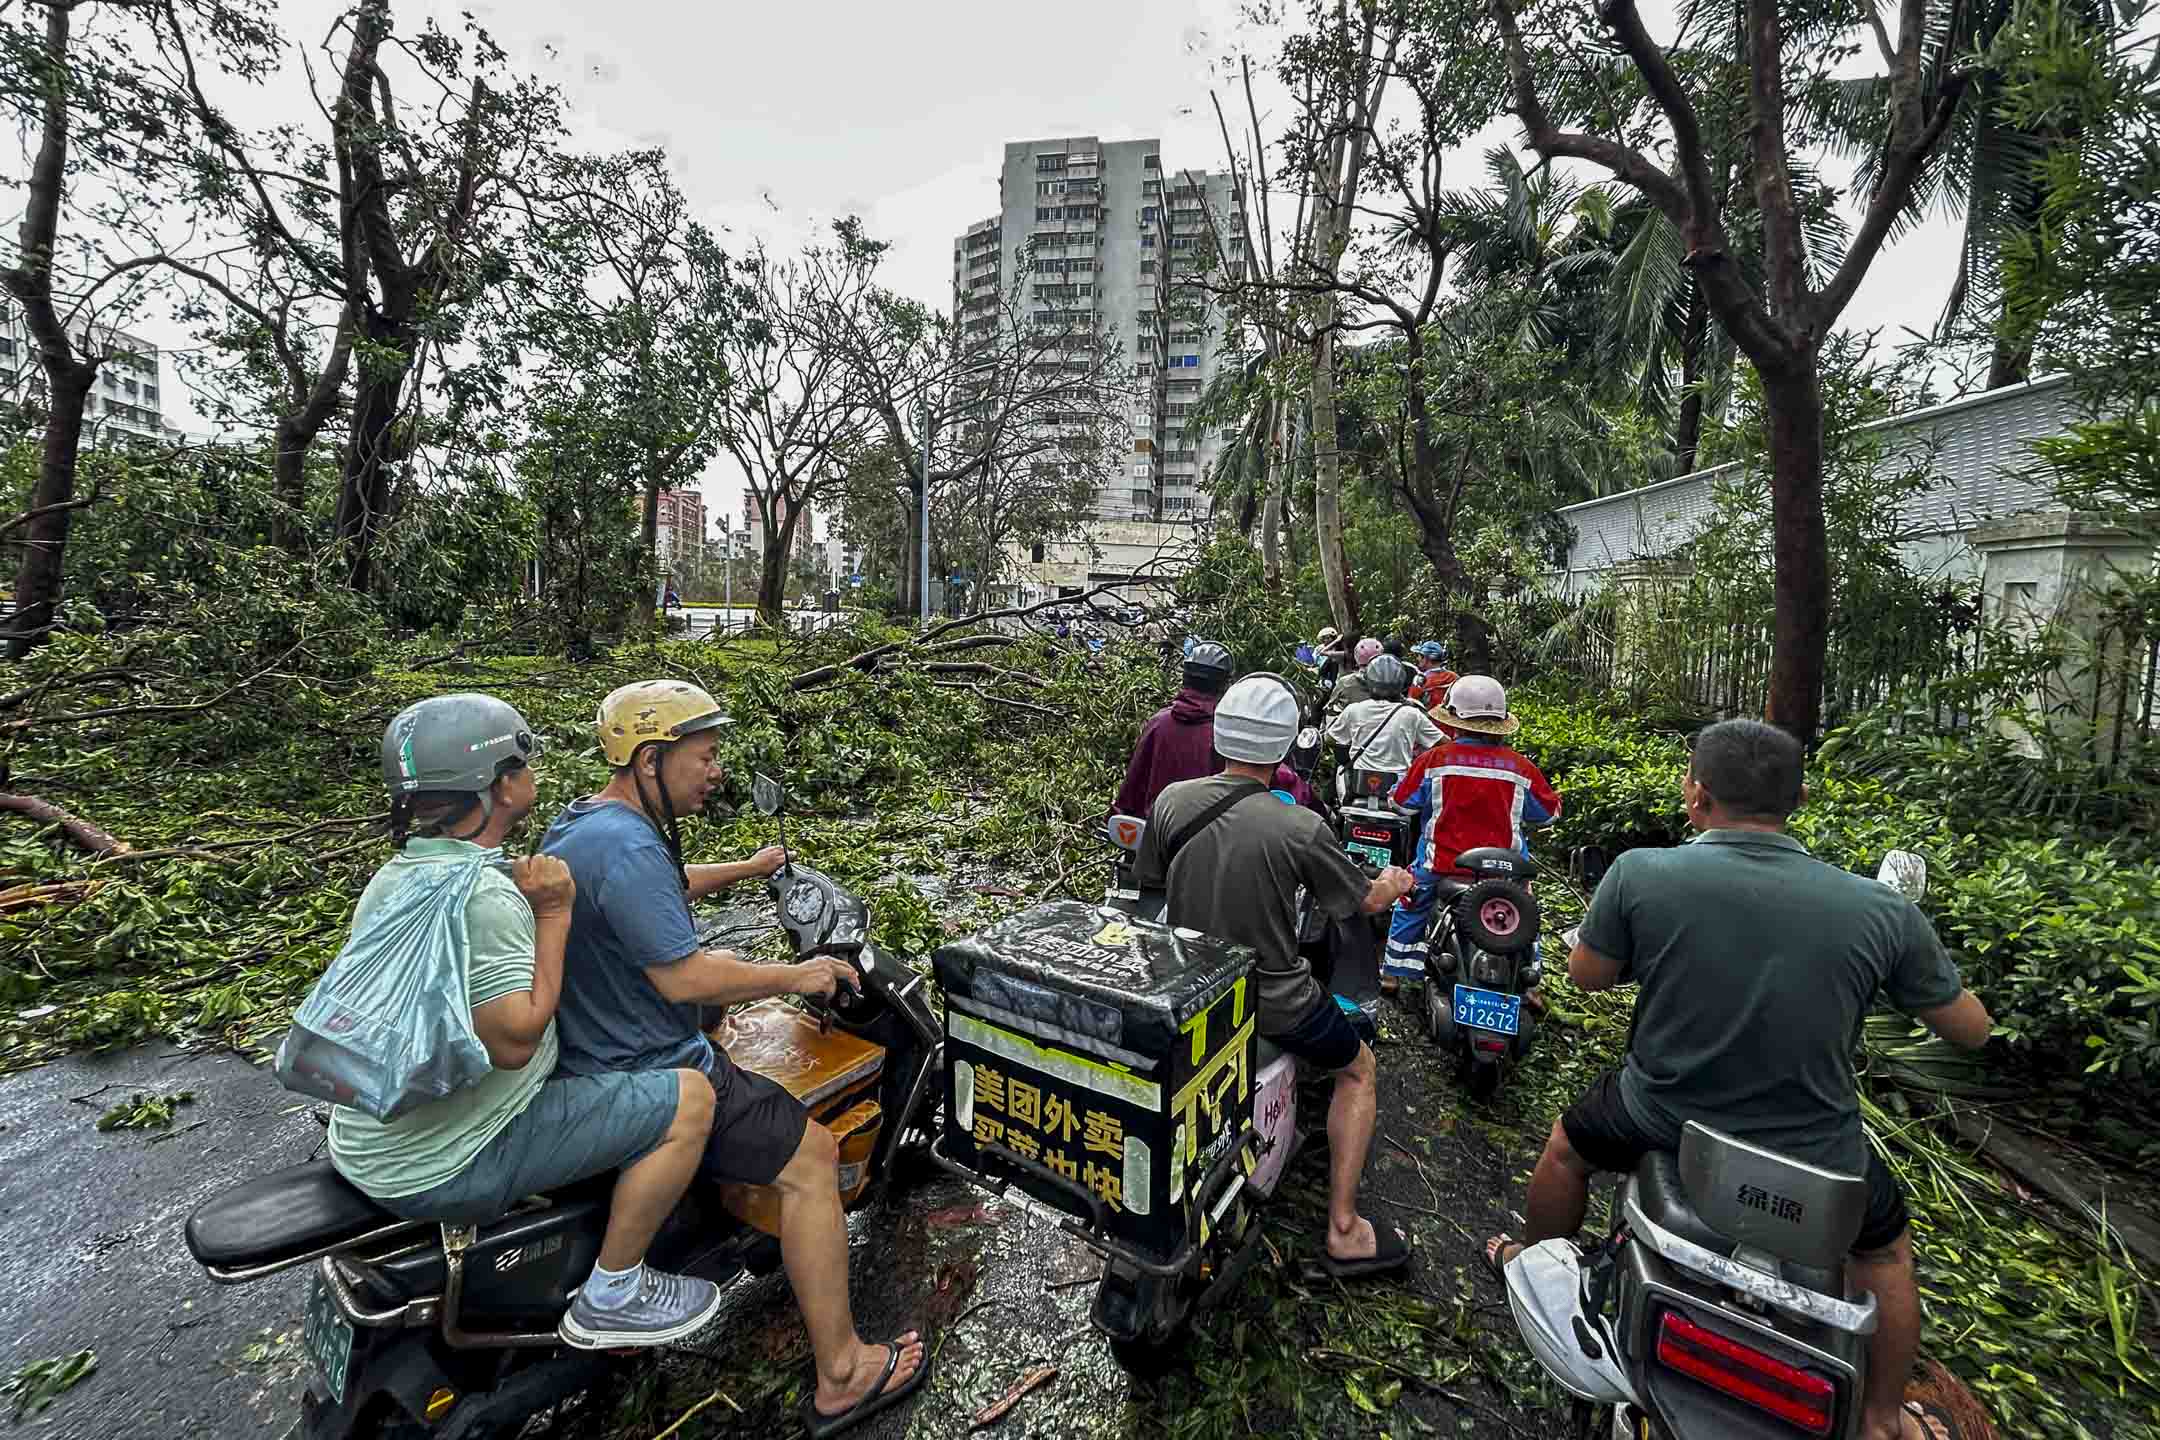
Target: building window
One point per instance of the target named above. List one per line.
(1147, 215)
(1049, 164)
(1147, 242)
(1147, 267)
(1181, 242)
(1151, 162)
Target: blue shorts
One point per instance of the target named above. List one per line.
(576, 1126)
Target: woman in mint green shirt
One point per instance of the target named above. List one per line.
(460, 776)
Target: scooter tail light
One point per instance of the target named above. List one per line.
(1490, 1047)
(1800, 1398)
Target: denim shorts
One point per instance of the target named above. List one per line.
(576, 1126)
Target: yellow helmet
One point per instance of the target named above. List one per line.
(649, 712)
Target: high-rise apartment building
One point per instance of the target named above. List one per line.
(123, 405)
(1100, 237)
(681, 532)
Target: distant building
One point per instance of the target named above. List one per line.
(1111, 243)
(126, 402)
(681, 534)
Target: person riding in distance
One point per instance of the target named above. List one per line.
(459, 770)
(1472, 791)
(1351, 689)
(1231, 858)
(636, 978)
(1757, 965)
(1329, 652)
(1177, 743)
(1430, 685)
(1386, 732)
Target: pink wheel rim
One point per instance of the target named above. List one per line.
(1500, 916)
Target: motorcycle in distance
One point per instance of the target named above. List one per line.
(1718, 1308)
(414, 1329)
(1481, 960)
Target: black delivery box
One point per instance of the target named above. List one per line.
(1114, 1052)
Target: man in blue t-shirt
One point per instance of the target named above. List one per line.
(636, 981)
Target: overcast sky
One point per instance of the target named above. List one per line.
(780, 117)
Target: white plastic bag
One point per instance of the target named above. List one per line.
(389, 1024)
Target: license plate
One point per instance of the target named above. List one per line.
(327, 1335)
(1379, 855)
(1488, 1010)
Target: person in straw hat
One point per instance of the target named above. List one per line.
(1471, 791)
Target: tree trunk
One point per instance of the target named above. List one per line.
(1694, 340)
(1794, 405)
(1271, 500)
(40, 571)
(364, 494)
(1327, 473)
(288, 530)
(649, 526)
(40, 574)
(2012, 363)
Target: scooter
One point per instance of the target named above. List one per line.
(1717, 1309)
(1481, 961)
(415, 1329)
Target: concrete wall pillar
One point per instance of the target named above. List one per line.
(2052, 573)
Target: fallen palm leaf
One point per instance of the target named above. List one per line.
(990, 1414)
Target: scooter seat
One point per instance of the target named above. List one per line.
(282, 1217)
(1664, 1200)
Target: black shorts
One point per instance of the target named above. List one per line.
(1604, 1132)
(1323, 1037)
(757, 1127)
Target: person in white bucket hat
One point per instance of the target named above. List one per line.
(1472, 791)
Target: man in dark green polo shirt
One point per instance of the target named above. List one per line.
(1757, 964)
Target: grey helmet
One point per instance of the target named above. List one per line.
(1387, 677)
(1208, 667)
(453, 742)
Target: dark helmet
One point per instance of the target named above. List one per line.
(1208, 667)
(1388, 678)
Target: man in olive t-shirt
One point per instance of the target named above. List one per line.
(1231, 856)
(1757, 964)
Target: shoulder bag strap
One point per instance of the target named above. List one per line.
(1204, 819)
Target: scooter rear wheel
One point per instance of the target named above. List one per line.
(1152, 1357)
(1484, 1079)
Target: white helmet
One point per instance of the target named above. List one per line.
(1544, 1289)
(1256, 720)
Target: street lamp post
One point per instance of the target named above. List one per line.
(727, 613)
(923, 517)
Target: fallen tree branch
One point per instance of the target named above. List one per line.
(984, 694)
(213, 850)
(930, 642)
(112, 711)
(80, 832)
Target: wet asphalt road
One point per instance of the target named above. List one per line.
(92, 1256)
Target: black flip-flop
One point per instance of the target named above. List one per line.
(1390, 1252)
(821, 1425)
(1924, 1410)
(1489, 1254)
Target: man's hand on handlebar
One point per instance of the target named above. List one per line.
(767, 861)
(1388, 886)
(821, 975)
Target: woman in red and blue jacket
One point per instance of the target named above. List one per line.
(1473, 791)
